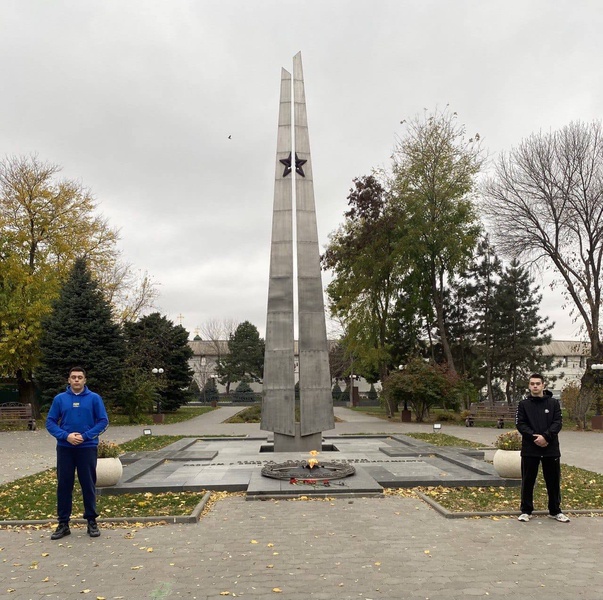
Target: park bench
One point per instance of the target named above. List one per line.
(486, 412)
(14, 412)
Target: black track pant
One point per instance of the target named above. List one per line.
(551, 471)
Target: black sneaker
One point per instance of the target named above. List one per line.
(93, 529)
(61, 531)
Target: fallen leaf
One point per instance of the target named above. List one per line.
(277, 590)
(253, 542)
(225, 593)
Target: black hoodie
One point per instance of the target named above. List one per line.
(539, 415)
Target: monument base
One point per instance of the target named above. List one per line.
(297, 442)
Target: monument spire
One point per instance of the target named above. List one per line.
(316, 406)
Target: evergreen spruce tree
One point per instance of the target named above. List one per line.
(519, 331)
(245, 360)
(483, 278)
(80, 331)
(154, 342)
(210, 391)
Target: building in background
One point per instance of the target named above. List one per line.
(568, 364)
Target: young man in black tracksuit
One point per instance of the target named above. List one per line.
(539, 421)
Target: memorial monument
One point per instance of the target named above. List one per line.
(294, 187)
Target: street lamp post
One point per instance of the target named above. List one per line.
(405, 415)
(158, 417)
(597, 420)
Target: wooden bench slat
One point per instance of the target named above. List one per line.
(16, 411)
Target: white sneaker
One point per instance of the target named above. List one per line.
(560, 517)
(525, 517)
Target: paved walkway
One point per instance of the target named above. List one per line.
(387, 548)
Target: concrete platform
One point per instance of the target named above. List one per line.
(235, 464)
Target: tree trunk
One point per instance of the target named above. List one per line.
(438, 300)
(27, 393)
(590, 379)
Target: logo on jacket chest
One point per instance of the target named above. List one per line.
(77, 405)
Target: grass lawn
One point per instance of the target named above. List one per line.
(580, 490)
(253, 414)
(184, 413)
(442, 439)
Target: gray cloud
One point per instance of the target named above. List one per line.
(137, 99)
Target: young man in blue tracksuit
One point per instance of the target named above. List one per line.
(76, 418)
(539, 421)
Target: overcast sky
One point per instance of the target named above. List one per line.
(138, 98)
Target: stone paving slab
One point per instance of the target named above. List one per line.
(336, 549)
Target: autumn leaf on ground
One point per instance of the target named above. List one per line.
(277, 590)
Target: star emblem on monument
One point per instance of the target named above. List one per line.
(299, 163)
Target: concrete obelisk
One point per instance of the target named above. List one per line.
(316, 406)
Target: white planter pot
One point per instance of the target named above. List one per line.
(108, 471)
(508, 463)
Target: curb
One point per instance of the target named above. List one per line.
(504, 513)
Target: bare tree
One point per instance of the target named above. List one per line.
(545, 203)
(130, 292)
(217, 330)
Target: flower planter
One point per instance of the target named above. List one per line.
(108, 471)
(508, 463)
